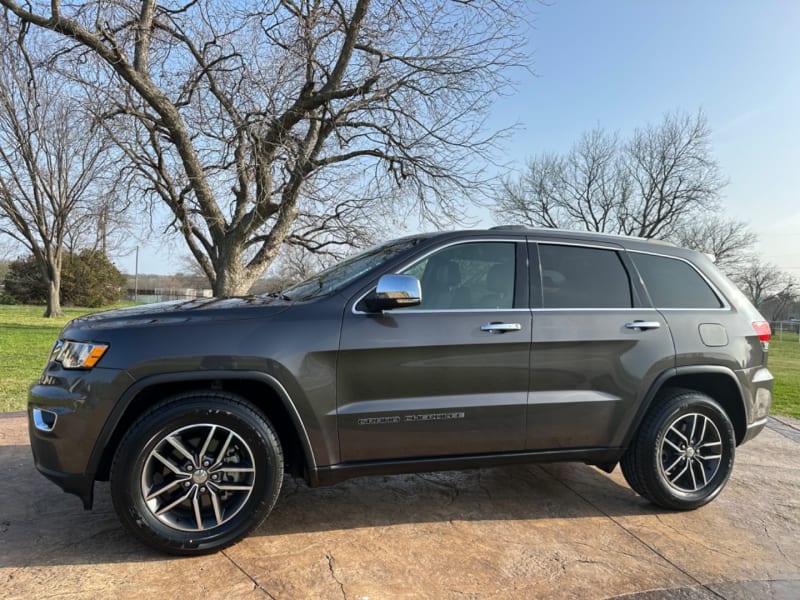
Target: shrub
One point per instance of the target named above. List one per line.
(87, 279)
(23, 283)
(90, 279)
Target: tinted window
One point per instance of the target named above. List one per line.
(674, 283)
(576, 277)
(475, 275)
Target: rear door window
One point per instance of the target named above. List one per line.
(580, 277)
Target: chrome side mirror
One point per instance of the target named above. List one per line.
(395, 291)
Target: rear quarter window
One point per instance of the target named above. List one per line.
(674, 283)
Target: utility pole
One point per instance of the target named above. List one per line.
(102, 228)
(136, 278)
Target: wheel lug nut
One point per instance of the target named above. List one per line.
(186, 484)
(189, 468)
(206, 463)
(203, 490)
(214, 477)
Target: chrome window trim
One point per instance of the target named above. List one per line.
(631, 309)
(448, 310)
(720, 296)
(613, 247)
(721, 308)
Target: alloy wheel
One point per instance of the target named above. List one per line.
(198, 477)
(690, 452)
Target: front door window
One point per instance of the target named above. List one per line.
(479, 275)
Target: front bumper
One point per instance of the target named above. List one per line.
(80, 485)
(66, 413)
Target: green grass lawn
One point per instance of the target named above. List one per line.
(784, 362)
(26, 339)
(25, 342)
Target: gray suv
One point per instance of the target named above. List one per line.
(430, 352)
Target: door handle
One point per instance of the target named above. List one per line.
(501, 327)
(643, 325)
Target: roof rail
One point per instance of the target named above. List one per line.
(509, 228)
(576, 231)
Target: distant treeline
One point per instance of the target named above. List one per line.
(179, 281)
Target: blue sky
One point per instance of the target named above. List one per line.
(622, 64)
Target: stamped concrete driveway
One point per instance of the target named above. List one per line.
(556, 531)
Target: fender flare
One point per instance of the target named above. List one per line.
(122, 405)
(663, 377)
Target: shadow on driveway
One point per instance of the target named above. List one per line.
(558, 530)
(40, 525)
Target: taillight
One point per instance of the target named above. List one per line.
(762, 330)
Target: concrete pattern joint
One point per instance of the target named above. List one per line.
(556, 531)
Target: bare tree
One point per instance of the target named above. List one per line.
(238, 117)
(646, 186)
(728, 241)
(782, 303)
(582, 189)
(296, 264)
(50, 158)
(105, 224)
(763, 282)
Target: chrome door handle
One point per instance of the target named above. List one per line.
(642, 325)
(501, 327)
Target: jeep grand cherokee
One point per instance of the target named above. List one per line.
(437, 351)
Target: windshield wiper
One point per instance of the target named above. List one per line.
(280, 295)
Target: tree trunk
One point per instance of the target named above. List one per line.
(231, 276)
(230, 283)
(234, 277)
(50, 267)
(53, 297)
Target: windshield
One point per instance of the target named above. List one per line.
(339, 275)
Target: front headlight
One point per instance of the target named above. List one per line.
(78, 355)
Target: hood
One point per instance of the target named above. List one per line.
(183, 311)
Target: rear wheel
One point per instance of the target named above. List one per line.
(197, 473)
(683, 453)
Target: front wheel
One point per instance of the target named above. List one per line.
(683, 453)
(196, 473)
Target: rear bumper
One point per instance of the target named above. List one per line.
(756, 384)
(753, 429)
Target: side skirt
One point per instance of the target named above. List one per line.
(604, 458)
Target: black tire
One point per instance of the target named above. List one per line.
(629, 472)
(229, 486)
(683, 453)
